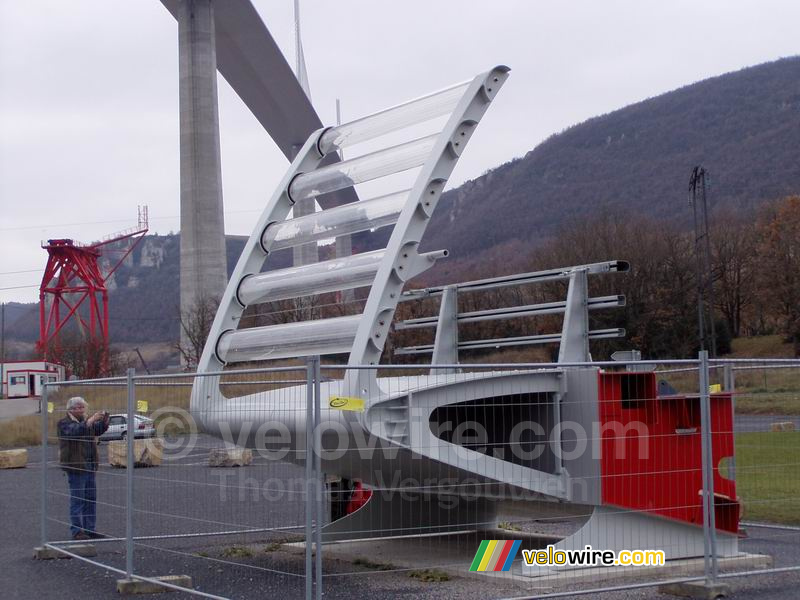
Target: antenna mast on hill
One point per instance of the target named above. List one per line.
(702, 254)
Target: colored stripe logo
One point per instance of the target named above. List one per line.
(495, 555)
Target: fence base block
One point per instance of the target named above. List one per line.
(697, 589)
(13, 459)
(45, 553)
(137, 586)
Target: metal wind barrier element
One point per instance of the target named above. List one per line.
(573, 340)
(384, 272)
(688, 451)
(341, 220)
(391, 119)
(328, 276)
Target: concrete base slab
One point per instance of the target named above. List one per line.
(453, 553)
(137, 586)
(83, 550)
(697, 589)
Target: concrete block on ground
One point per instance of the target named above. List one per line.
(13, 459)
(696, 589)
(230, 457)
(137, 586)
(782, 426)
(146, 453)
(45, 553)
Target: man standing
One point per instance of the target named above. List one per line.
(77, 440)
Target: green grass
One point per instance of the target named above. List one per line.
(508, 526)
(430, 575)
(236, 552)
(768, 476)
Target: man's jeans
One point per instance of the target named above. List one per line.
(82, 501)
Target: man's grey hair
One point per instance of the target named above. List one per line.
(75, 401)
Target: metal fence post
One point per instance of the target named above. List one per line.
(44, 465)
(318, 476)
(729, 379)
(309, 475)
(129, 466)
(709, 521)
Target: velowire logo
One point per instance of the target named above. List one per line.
(495, 555)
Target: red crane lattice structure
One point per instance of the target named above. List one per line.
(73, 278)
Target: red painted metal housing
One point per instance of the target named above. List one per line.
(651, 450)
(73, 289)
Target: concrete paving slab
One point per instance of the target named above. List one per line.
(453, 553)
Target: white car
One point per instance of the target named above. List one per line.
(118, 428)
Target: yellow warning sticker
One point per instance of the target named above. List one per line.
(346, 403)
(715, 389)
(50, 407)
(141, 406)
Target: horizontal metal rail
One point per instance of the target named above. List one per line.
(171, 586)
(519, 279)
(513, 366)
(545, 308)
(551, 338)
(188, 535)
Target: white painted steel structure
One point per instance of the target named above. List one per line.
(363, 336)
(399, 412)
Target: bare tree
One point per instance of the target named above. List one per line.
(779, 256)
(660, 308)
(85, 358)
(733, 250)
(195, 324)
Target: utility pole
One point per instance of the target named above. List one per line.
(702, 252)
(141, 358)
(2, 349)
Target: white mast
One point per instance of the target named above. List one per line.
(300, 60)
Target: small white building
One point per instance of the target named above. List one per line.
(24, 378)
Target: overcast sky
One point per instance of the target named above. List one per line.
(89, 92)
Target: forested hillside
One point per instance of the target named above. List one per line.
(743, 127)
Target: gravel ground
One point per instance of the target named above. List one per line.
(186, 497)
